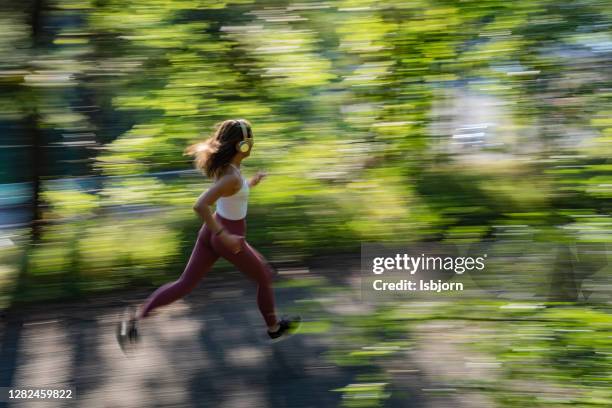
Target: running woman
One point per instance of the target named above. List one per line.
(223, 232)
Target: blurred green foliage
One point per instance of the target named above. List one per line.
(360, 111)
(564, 348)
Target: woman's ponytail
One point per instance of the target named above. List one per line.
(203, 153)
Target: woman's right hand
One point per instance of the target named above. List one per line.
(231, 241)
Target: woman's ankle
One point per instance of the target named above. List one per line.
(274, 328)
(139, 313)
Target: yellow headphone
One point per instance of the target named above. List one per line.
(244, 145)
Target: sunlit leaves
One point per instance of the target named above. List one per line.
(70, 203)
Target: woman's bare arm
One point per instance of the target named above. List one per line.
(257, 178)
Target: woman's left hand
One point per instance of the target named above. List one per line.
(257, 178)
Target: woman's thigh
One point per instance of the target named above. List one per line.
(202, 258)
(261, 258)
(248, 260)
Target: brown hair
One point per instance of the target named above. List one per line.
(213, 154)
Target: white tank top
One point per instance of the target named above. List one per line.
(234, 207)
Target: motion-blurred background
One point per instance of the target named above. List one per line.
(377, 121)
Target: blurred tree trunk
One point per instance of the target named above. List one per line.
(34, 128)
(36, 146)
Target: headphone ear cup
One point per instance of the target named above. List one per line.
(243, 147)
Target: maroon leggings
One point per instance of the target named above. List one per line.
(208, 248)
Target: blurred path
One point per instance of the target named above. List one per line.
(207, 350)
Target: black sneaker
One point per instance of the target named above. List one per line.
(127, 330)
(287, 327)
